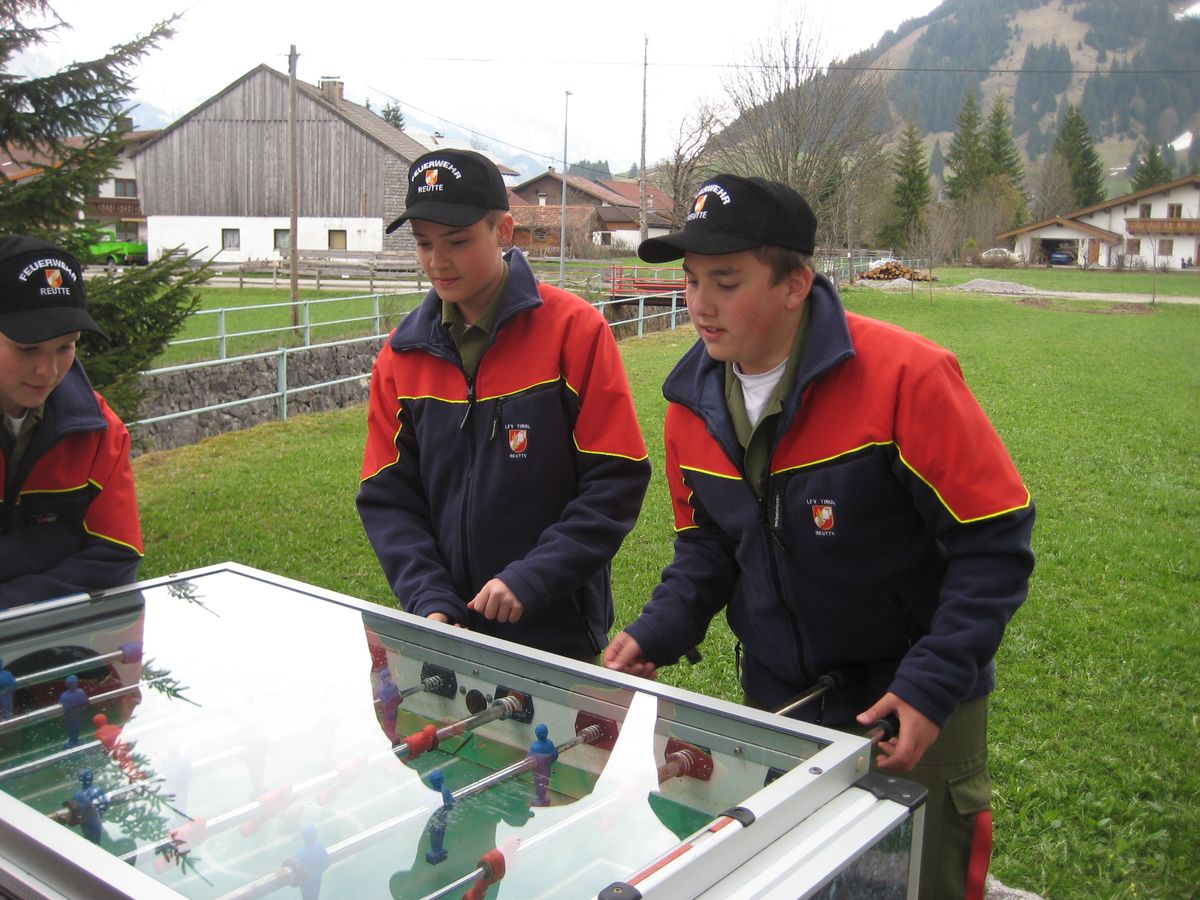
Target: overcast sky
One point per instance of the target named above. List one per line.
(500, 70)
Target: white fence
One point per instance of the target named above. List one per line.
(653, 312)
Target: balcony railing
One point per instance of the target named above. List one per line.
(1162, 226)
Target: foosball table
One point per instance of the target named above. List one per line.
(229, 733)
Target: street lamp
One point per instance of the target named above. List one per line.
(562, 234)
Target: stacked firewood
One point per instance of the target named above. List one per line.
(890, 271)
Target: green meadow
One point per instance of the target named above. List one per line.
(1096, 721)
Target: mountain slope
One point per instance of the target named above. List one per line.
(1112, 57)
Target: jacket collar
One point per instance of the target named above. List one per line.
(698, 381)
(71, 407)
(423, 326)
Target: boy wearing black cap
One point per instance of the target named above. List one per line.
(840, 493)
(68, 514)
(504, 464)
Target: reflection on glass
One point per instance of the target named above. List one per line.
(250, 737)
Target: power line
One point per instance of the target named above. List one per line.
(813, 67)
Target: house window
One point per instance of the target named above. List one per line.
(125, 187)
(606, 238)
(539, 234)
(283, 239)
(231, 239)
(1133, 246)
(337, 239)
(1166, 247)
(126, 231)
(1144, 211)
(1174, 210)
(541, 195)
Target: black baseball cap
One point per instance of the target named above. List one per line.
(731, 214)
(42, 295)
(452, 187)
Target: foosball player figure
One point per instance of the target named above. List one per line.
(8, 687)
(389, 699)
(544, 754)
(74, 700)
(437, 822)
(90, 802)
(308, 864)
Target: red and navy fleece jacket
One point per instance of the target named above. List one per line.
(892, 543)
(533, 472)
(69, 517)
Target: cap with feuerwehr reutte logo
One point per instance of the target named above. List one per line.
(731, 214)
(42, 295)
(452, 187)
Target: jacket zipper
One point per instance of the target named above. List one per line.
(464, 518)
(771, 522)
(496, 419)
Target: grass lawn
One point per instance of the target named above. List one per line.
(1095, 723)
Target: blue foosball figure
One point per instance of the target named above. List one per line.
(91, 803)
(308, 864)
(8, 687)
(437, 822)
(544, 754)
(74, 700)
(389, 699)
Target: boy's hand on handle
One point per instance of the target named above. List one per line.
(625, 655)
(917, 733)
(496, 601)
(444, 619)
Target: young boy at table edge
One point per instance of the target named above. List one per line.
(839, 492)
(504, 463)
(68, 512)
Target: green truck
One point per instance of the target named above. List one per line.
(110, 251)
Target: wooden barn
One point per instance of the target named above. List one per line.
(217, 180)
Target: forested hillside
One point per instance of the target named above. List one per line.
(1131, 65)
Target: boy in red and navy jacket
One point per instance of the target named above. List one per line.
(68, 513)
(504, 464)
(839, 492)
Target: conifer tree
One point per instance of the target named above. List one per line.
(63, 132)
(910, 193)
(1003, 158)
(393, 115)
(1151, 171)
(1006, 173)
(1076, 146)
(937, 162)
(966, 156)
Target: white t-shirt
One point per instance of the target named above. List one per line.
(14, 425)
(757, 389)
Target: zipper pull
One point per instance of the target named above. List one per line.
(470, 403)
(496, 418)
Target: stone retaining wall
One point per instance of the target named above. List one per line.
(221, 383)
(231, 381)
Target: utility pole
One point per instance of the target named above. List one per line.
(562, 234)
(294, 177)
(642, 169)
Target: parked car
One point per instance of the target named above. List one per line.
(120, 253)
(1062, 258)
(1000, 254)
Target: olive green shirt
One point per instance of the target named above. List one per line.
(14, 447)
(757, 440)
(471, 340)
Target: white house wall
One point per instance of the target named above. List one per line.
(1185, 245)
(257, 235)
(1113, 218)
(629, 238)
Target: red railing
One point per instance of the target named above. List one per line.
(634, 280)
